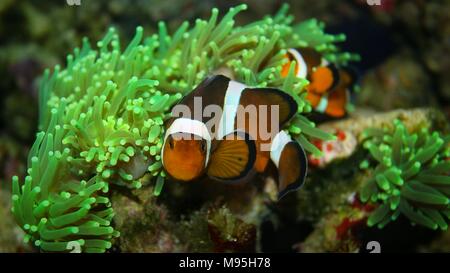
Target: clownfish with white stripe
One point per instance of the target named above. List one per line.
(236, 150)
(330, 86)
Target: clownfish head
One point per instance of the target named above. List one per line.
(185, 153)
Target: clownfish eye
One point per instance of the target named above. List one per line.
(171, 142)
(203, 146)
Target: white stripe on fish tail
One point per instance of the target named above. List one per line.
(276, 148)
(302, 67)
(230, 107)
(190, 126)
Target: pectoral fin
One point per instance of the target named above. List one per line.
(233, 159)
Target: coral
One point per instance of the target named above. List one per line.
(338, 217)
(335, 232)
(342, 147)
(329, 187)
(101, 118)
(364, 118)
(149, 225)
(229, 233)
(411, 176)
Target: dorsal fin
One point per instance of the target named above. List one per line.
(306, 59)
(271, 96)
(211, 90)
(311, 56)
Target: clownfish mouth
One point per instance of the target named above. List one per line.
(185, 172)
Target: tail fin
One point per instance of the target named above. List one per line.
(291, 163)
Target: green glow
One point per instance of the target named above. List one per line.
(411, 176)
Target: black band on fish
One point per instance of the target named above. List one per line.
(334, 70)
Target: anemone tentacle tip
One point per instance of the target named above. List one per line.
(415, 177)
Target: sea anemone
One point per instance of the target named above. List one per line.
(411, 176)
(101, 118)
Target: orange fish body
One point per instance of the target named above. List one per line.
(328, 90)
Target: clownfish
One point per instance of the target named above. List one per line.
(329, 88)
(229, 147)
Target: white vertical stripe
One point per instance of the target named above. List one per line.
(277, 146)
(230, 106)
(302, 67)
(323, 104)
(189, 126)
(324, 62)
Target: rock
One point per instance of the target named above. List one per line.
(413, 119)
(423, 26)
(400, 82)
(348, 131)
(439, 244)
(342, 147)
(167, 224)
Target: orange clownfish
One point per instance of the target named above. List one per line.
(330, 86)
(230, 146)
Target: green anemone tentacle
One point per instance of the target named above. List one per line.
(411, 176)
